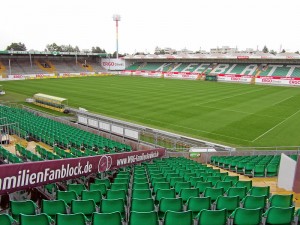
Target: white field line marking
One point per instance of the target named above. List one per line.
(215, 100)
(247, 113)
(175, 125)
(272, 128)
(283, 100)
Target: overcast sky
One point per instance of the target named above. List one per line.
(191, 24)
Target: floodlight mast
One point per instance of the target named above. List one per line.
(117, 18)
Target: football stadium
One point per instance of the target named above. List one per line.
(170, 138)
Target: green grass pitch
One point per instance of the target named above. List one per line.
(231, 114)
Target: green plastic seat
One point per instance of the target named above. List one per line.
(187, 193)
(272, 170)
(224, 184)
(237, 191)
(6, 219)
(228, 202)
(182, 185)
(116, 194)
(142, 205)
(244, 183)
(51, 207)
(161, 185)
(242, 216)
(212, 217)
(174, 180)
(141, 193)
(113, 218)
(259, 170)
(121, 180)
(187, 176)
(254, 202)
(259, 191)
(105, 181)
(40, 219)
(178, 218)
(87, 207)
(140, 180)
(213, 193)
(99, 187)
(145, 218)
(202, 185)
(67, 196)
(140, 186)
(164, 193)
(281, 200)
(173, 204)
(194, 180)
(78, 188)
(213, 179)
(279, 215)
(196, 204)
(233, 179)
(171, 175)
(95, 195)
(70, 219)
(119, 186)
(113, 205)
(27, 207)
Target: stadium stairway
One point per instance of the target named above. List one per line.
(88, 67)
(2, 70)
(142, 66)
(47, 70)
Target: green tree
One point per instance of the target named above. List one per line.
(265, 49)
(69, 48)
(273, 52)
(283, 51)
(297, 52)
(53, 48)
(16, 47)
(97, 49)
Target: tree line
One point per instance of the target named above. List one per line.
(56, 48)
(69, 48)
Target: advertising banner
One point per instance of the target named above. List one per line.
(126, 72)
(182, 75)
(153, 74)
(19, 176)
(113, 64)
(235, 78)
(287, 81)
(76, 74)
(30, 76)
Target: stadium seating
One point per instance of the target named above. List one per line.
(50, 132)
(255, 166)
(144, 206)
(113, 218)
(6, 219)
(41, 219)
(279, 215)
(242, 216)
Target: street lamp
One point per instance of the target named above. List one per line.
(117, 18)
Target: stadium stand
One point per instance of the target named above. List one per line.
(54, 133)
(223, 68)
(21, 66)
(256, 166)
(55, 65)
(135, 209)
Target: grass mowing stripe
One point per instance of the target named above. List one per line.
(232, 114)
(272, 128)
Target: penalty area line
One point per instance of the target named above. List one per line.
(272, 128)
